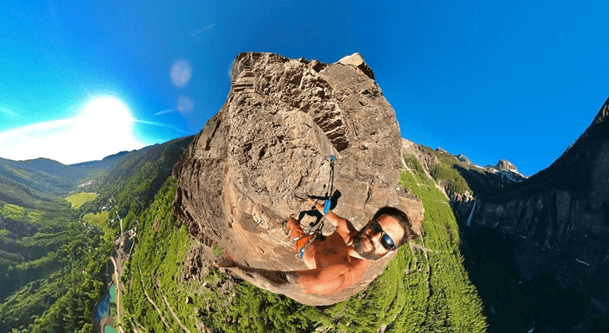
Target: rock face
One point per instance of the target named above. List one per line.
(558, 219)
(563, 205)
(463, 159)
(559, 207)
(272, 140)
(505, 165)
(548, 231)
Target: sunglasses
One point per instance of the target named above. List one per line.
(386, 241)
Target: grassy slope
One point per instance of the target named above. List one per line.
(416, 293)
(44, 175)
(79, 199)
(133, 182)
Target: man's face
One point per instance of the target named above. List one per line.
(368, 242)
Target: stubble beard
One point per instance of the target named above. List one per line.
(358, 246)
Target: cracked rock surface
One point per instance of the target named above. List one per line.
(272, 141)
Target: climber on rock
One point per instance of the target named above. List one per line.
(339, 260)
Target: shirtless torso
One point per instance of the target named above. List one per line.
(333, 255)
(332, 264)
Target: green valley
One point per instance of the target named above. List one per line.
(425, 287)
(54, 250)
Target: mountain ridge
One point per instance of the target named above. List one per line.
(552, 226)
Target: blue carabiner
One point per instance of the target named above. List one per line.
(327, 206)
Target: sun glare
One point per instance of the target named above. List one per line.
(108, 125)
(106, 112)
(104, 126)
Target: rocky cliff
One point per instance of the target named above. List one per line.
(272, 141)
(565, 206)
(556, 223)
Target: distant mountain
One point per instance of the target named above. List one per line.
(42, 174)
(138, 175)
(49, 177)
(18, 194)
(542, 240)
(106, 163)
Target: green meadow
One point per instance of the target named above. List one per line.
(100, 220)
(79, 199)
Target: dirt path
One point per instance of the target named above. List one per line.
(153, 304)
(120, 222)
(139, 328)
(169, 307)
(407, 168)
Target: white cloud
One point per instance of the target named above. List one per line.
(166, 112)
(200, 30)
(154, 123)
(8, 112)
(103, 127)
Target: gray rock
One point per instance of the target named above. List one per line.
(505, 165)
(358, 62)
(463, 159)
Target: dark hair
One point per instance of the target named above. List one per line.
(402, 218)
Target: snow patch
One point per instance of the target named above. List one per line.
(509, 175)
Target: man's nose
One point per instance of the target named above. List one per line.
(374, 235)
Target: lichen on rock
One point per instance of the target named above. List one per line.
(272, 140)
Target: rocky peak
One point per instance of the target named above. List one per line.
(358, 62)
(555, 224)
(505, 165)
(272, 141)
(463, 159)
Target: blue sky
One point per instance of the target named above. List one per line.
(519, 80)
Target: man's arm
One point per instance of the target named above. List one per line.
(343, 226)
(328, 280)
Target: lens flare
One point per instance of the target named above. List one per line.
(181, 72)
(185, 105)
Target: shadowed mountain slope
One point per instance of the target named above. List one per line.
(545, 237)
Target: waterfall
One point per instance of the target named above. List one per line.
(471, 214)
